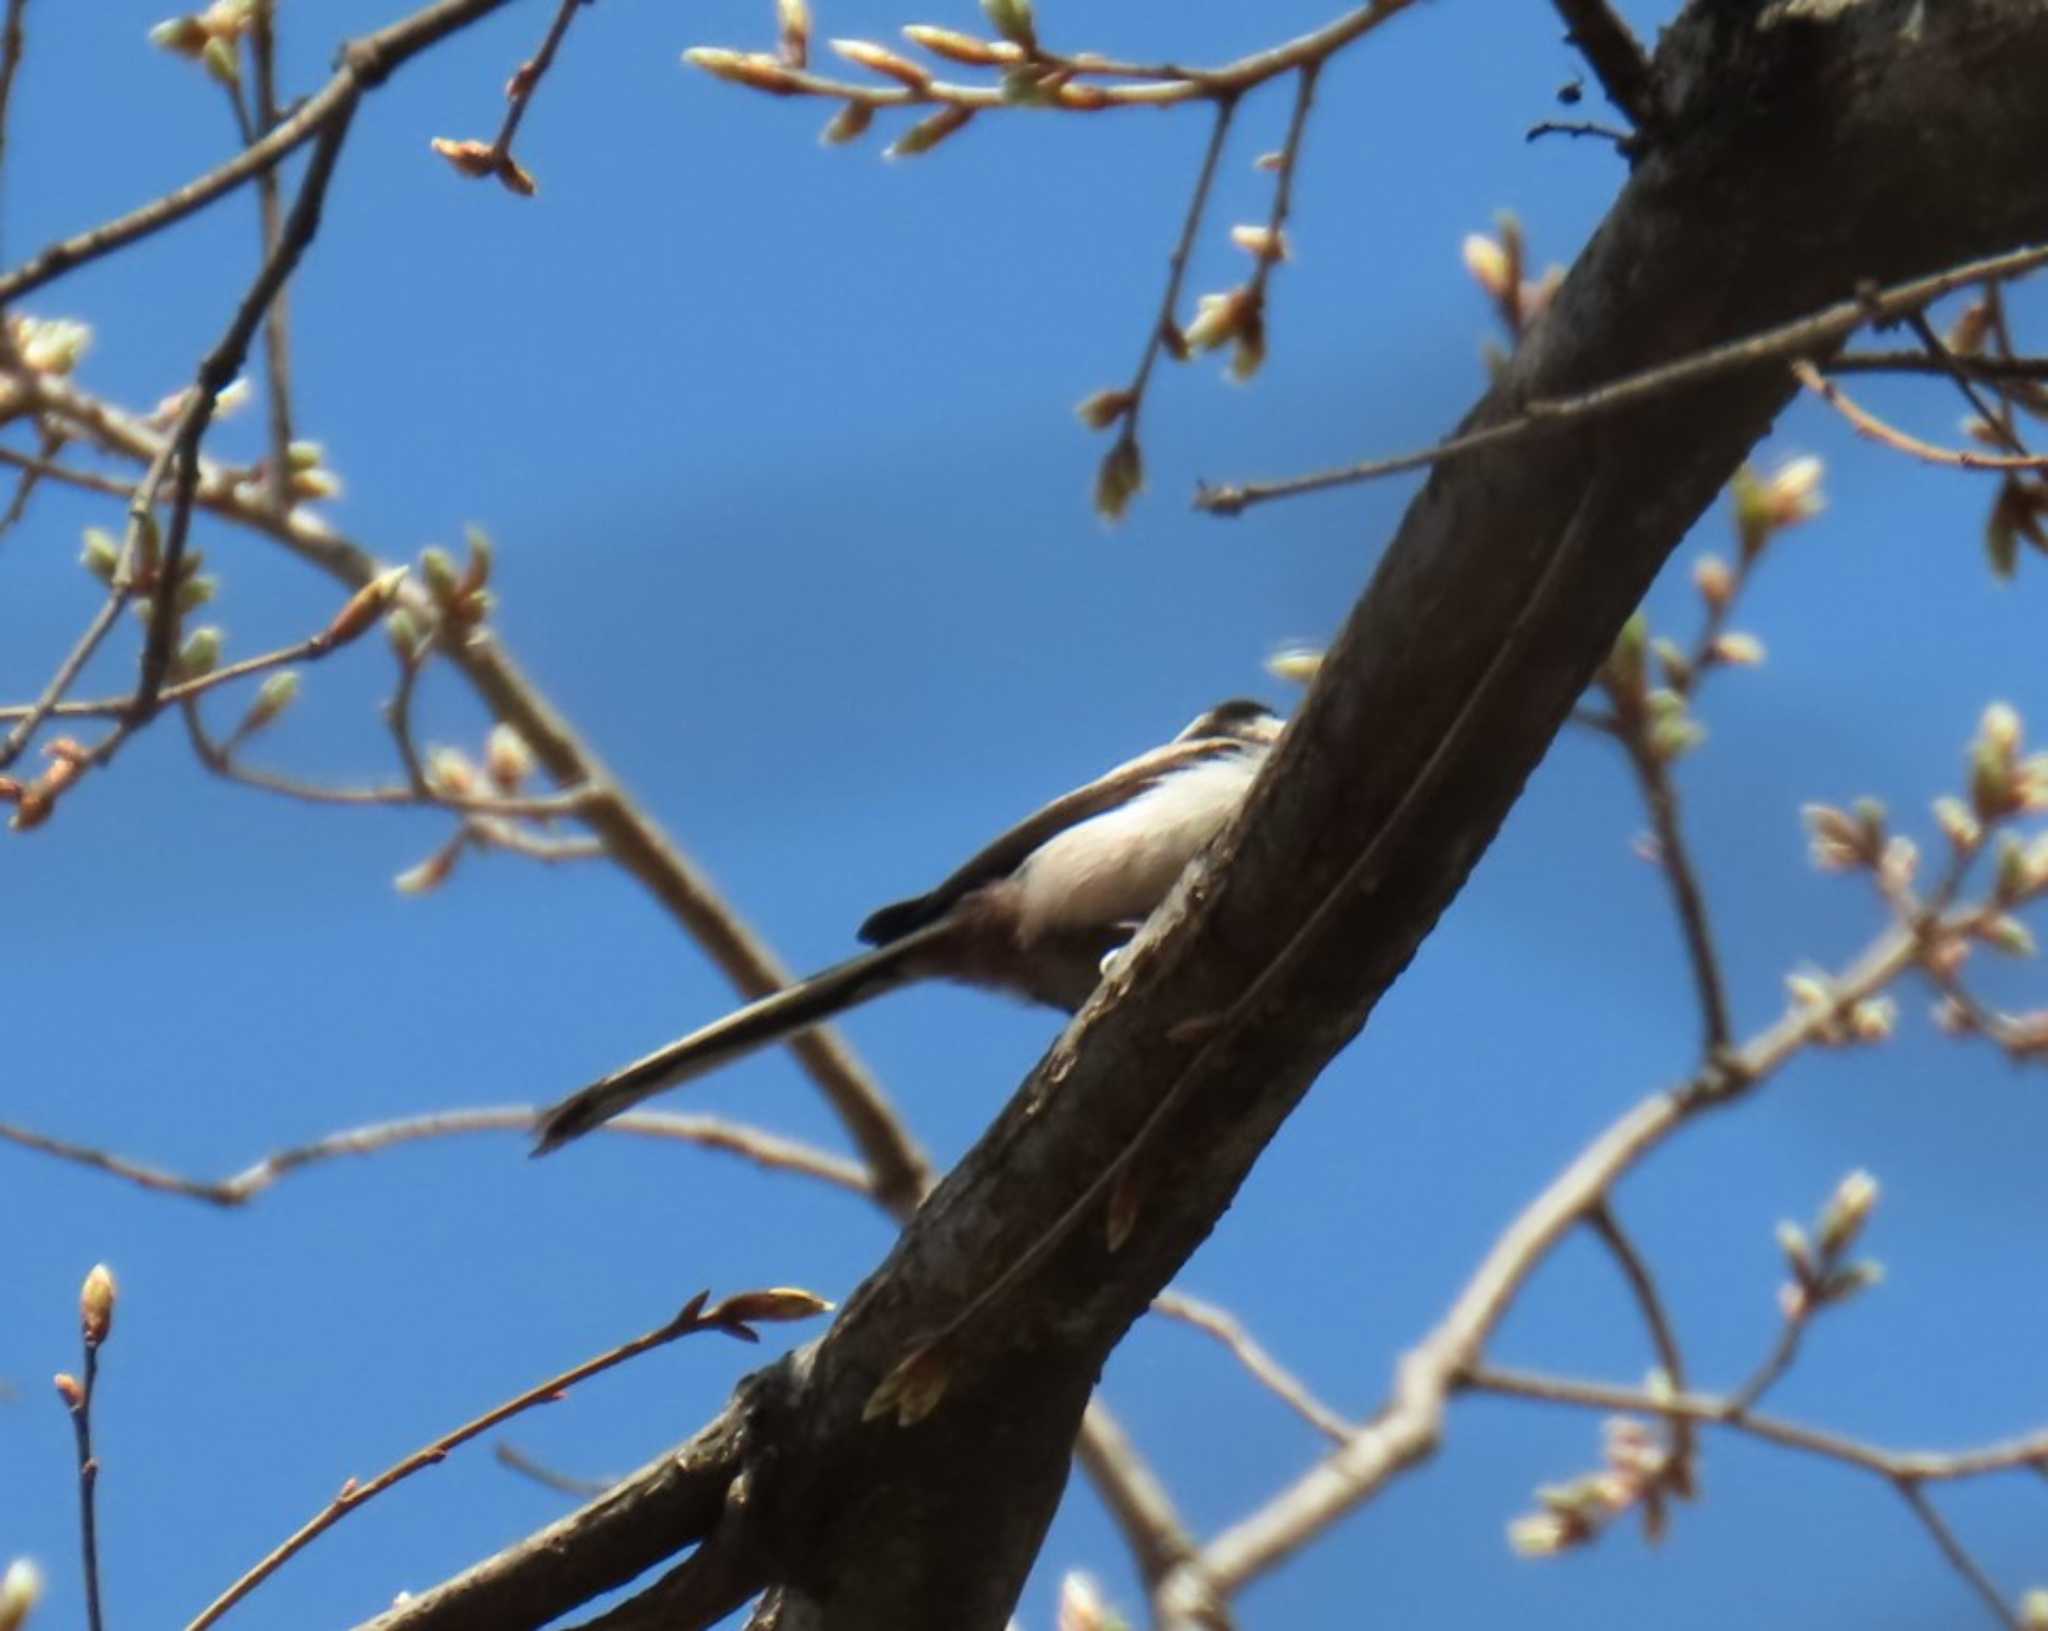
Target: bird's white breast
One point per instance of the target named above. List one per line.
(1117, 866)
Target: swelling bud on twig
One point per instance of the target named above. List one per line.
(849, 124)
(430, 874)
(1013, 20)
(776, 1305)
(199, 655)
(1119, 479)
(1262, 243)
(1102, 409)
(962, 48)
(359, 614)
(756, 70)
(926, 134)
(1847, 1211)
(96, 1300)
(507, 758)
(276, 694)
(882, 60)
(101, 556)
(793, 31)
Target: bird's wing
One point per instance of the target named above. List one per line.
(1002, 857)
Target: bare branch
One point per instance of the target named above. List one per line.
(1809, 336)
(766, 1149)
(1866, 423)
(693, 1319)
(180, 457)
(1225, 1327)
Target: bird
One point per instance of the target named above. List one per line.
(1036, 913)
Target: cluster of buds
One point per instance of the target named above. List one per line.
(1822, 1274)
(211, 37)
(1766, 505)
(1499, 266)
(307, 477)
(35, 801)
(49, 345)
(1640, 1473)
(459, 595)
(508, 762)
(1834, 1023)
(1659, 716)
(2003, 784)
(1859, 839)
(103, 557)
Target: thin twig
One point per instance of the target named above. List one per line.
(1663, 1335)
(1137, 1501)
(12, 42)
(765, 1149)
(1225, 1327)
(1283, 187)
(270, 217)
(519, 93)
(1775, 1363)
(1805, 336)
(1711, 1410)
(1177, 263)
(1865, 423)
(1903, 361)
(216, 372)
(693, 1318)
(529, 807)
(88, 1484)
(1998, 421)
(67, 672)
(1674, 859)
(1958, 1555)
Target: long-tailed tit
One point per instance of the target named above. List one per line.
(1035, 913)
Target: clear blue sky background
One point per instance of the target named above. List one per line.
(793, 521)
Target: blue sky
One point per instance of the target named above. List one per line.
(792, 520)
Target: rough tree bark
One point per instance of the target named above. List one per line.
(1810, 147)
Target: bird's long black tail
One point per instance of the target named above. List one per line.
(767, 1020)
